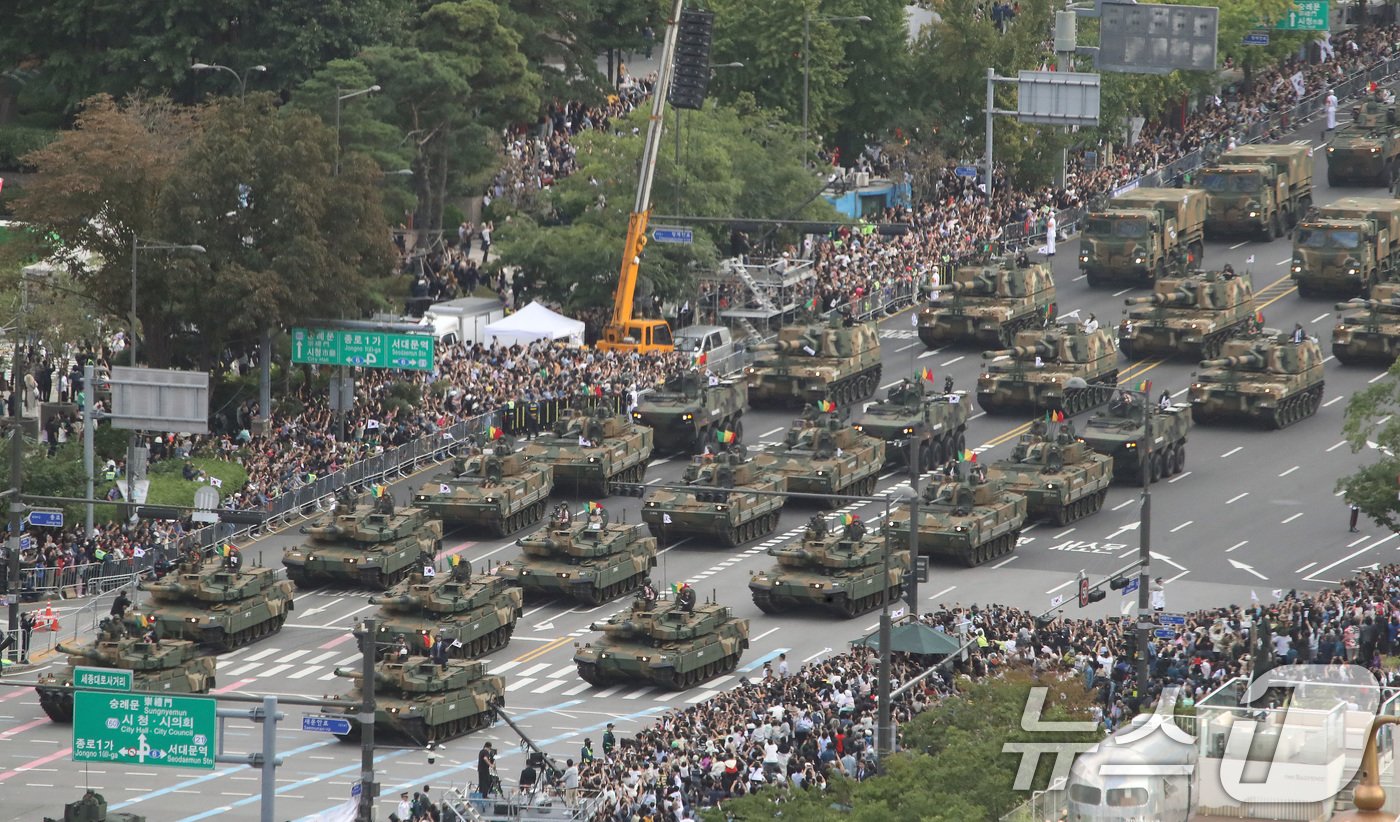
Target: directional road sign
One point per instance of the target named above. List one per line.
(26, 542)
(1307, 15)
(46, 518)
(965, 171)
(1165, 633)
(1131, 586)
(172, 731)
(673, 235)
(1256, 38)
(326, 724)
(106, 679)
(1171, 619)
(366, 349)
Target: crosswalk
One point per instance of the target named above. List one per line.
(539, 679)
(261, 662)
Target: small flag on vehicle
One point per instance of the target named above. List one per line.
(725, 437)
(827, 406)
(495, 433)
(927, 374)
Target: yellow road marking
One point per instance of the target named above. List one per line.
(542, 650)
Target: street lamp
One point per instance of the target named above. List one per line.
(884, 725)
(242, 78)
(341, 95)
(807, 62)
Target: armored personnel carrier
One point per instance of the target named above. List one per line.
(687, 411)
(720, 507)
(1264, 378)
(988, 304)
(373, 546)
(1033, 374)
(1061, 478)
(592, 450)
(1125, 429)
(824, 456)
(473, 616)
(219, 604)
(497, 490)
(844, 572)
(423, 701)
(935, 423)
(1369, 330)
(671, 643)
(1364, 152)
(1192, 315)
(837, 361)
(968, 520)
(93, 808)
(592, 560)
(169, 665)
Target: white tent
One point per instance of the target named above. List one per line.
(534, 322)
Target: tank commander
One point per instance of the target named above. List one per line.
(647, 595)
(233, 560)
(595, 519)
(685, 599)
(855, 531)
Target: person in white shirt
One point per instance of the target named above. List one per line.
(1091, 325)
(1331, 105)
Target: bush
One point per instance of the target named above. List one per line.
(17, 141)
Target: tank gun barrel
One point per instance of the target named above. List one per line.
(1174, 298)
(974, 287)
(349, 674)
(1243, 360)
(386, 599)
(78, 650)
(1019, 352)
(1390, 306)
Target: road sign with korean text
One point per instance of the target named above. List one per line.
(364, 349)
(132, 729)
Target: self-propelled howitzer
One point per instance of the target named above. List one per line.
(1035, 373)
(815, 362)
(1265, 378)
(424, 701)
(1368, 330)
(1191, 315)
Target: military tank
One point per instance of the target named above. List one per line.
(423, 701)
(1369, 330)
(838, 572)
(592, 560)
(1192, 315)
(219, 604)
(838, 361)
(989, 304)
(687, 411)
(1127, 427)
(1265, 378)
(592, 450)
(668, 643)
(497, 490)
(824, 456)
(721, 505)
(968, 520)
(936, 424)
(472, 616)
(93, 808)
(1033, 374)
(167, 665)
(1061, 478)
(373, 546)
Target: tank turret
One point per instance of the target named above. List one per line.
(170, 665)
(93, 808)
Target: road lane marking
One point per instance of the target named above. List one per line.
(1284, 261)
(1240, 544)
(1234, 450)
(1338, 445)
(907, 347)
(700, 697)
(1290, 519)
(1182, 525)
(1006, 561)
(774, 431)
(1328, 359)
(346, 637)
(637, 694)
(943, 592)
(1236, 498)
(764, 634)
(519, 682)
(1329, 402)
(578, 689)
(1180, 476)
(274, 670)
(1305, 567)
(1120, 506)
(1289, 471)
(533, 669)
(262, 655)
(1121, 293)
(1063, 533)
(882, 388)
(1239, 245)
(950, 362)
(1377, 378)
(1354, 554)
(928, 354)
(1318, 317)
(549, 686)
(1062, 584)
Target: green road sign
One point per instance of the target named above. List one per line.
(367, 349)
(173, 731)
(104, 679)
(1309, 15)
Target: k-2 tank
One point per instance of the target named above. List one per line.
(970, 521)
(721, 507)
(218, 604)
(843, 572)
(423, 701)
(665, 643)
(591, 560)
(497, 490)
(372, 546)
(471, 615)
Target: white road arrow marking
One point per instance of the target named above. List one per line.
(544, 626)
(1168, 560)
(142, 749)
(1132, 526)
(1375, 566)
(1241, 566)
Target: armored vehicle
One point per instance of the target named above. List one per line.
(471, 616)
(967, 520)
(1127, 428)
(592, 450)
(837, 361)
(497, 490)
(219, 604)
(1257, 189)
(988, 304)
(845, 572)
(1347, 246)
(822, 455)
(93, 808)
(1192, 315)
(373, 546)
(1034, 373)
(1264, 378)
(425, 701)
(671, 643)
(592, 560)
(1145, 234)
(721, 506)
(1364, 151)
(169, 665)
(1369, 330)
(1061, 478)
(686, 413)
(936, 424)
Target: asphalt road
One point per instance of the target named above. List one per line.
(1255, 511)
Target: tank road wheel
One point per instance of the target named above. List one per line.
(766, 604)
(849, 608)
(588, 672)
(592, 595)
(731, 538)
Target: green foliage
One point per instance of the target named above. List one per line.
(61, 475)
(17, 141)
(1374, 486)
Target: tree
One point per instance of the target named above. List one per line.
(1372, 422)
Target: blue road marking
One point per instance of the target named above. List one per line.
(768, 657)
(200, 780)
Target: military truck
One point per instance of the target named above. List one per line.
(843, 572)
(1034, 374)
(1347, 246)
(218, 604)
(1369, 330)
(666, 643)
(372, 546)
(1364, 151)
(969, 520)
(1265, 378)
(172, 666)
(823, 455)
(591, 560)
(1257, 189)
(720, 506)
(1143, 235)
(498, 490)
(988, 304)
(1125, 429)
(93, 808)
(472, 616)
(837, 361)
(688, 411)
(591, 451)
(1061, 478)
(1192, 315)
(936, 424)
(423, 701)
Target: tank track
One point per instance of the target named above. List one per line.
(421, 732)
(248, 635)
(682, 681)
(632, 475)
(767, 604)
(57, 704)
(594, 595)
(1292, 409)
(1350, 354)
(1080, 508)
(855, 388)
(999, 547)
(527, 516)
(756, 528)
(1100, 391)
(482, 645)
(849, 609)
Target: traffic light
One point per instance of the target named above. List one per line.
(1118, 583)
(690, 72)
(159, 512)
(1097, 595)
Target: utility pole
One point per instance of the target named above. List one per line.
(368, 789)
(16, 482)
(1144, 626)
(884, 734)
(89, 433)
